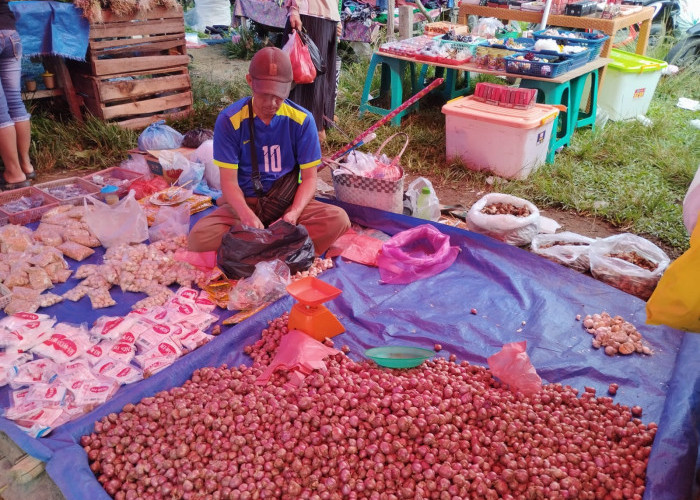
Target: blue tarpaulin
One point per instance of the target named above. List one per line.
(517, 295)
(51, 28)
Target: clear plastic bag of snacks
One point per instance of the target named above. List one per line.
(75, 251)
(100, 298)
(39, 280)
(81, 236)
(76, 293)
(48, 299)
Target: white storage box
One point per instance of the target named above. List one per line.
(629, 84)
(509, 142)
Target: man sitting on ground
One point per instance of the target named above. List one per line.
(286, 148)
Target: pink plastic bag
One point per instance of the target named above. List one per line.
(298, 354)
(414, 254)
(513, 367)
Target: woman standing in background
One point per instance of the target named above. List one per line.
(15, 131)
(321, 20)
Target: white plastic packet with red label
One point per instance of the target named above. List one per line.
(152, 314)
(180, 310)
(73, 375)
(204, 303)
(67, 343)
(39, 422)
(18, 397)
(111, 327)
(96, 392)
(98, 352)
(192, 337)
(186, 293)
(122, 373)
(8, 360)
(39, 370)
(132, 334)
(47, 394)
(156, 334)
(122, 351)
(166, 350)
(20, 319)
(22, 331)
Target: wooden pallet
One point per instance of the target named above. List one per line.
(136, 69)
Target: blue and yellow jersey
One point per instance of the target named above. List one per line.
(290, 139)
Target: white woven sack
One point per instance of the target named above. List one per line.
(381, 194)
(510, 229)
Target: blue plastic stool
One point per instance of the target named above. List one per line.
(578, 85)
(555, 94)
(392, 72)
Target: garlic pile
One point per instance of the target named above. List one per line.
(614, 334)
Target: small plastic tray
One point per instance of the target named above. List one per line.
(125, 176)
(544, 69)
(87, 187)
(31, 215)
(593, 40)
(398, 356)
(312, 291)
(5, 296)
(529, 44)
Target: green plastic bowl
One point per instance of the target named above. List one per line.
(398, 356)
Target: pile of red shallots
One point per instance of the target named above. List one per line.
(441, 430)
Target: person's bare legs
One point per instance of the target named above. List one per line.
(23, 130)
(10, 158)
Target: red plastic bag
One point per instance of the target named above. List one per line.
(144, 188)
(302, 65)
(513, 367)
(414, 254)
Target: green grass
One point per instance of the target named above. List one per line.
(629, 175)
(632, 176)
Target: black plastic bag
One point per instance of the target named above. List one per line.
(319, 63)
(243, 247)
(195, 137)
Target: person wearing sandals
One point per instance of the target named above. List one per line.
(321, 20)
(268, 151)
(15, 131)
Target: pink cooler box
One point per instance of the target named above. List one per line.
(509, 142)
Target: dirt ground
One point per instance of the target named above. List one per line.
(211, 63)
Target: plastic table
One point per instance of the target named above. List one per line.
(641, 17)
(565, 90)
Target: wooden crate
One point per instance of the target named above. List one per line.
(136, 69)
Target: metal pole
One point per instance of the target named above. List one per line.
(545, 14)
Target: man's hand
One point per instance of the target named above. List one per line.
(294, 19)
(248, 218)
(291, 216)
(339, 30)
